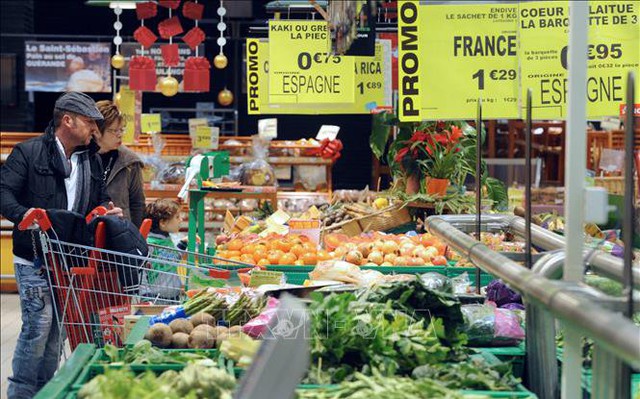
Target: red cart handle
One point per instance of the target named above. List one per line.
(38, 216)
(97, 211)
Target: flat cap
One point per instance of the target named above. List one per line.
(79, 103)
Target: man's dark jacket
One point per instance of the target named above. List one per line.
(33, 177)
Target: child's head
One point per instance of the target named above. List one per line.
(164, 215)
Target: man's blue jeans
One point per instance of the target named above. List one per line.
(38, 350)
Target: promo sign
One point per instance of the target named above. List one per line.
(498, 51)
(302, 68)
(614, 35)
(454, 54)
(372, 86)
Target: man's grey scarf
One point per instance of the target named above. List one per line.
(83, 186)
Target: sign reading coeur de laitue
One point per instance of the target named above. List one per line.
(372, 83)
(614, 49)
(302, 68)
(463, 52)
(480, 42)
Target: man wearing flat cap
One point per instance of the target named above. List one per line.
(57, 170)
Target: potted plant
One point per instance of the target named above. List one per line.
(437, 154)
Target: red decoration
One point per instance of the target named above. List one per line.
(192, 10)
(196, 74)
(172, 4)
(144, 36)
(142, 74)
(146, 10)
(170, 27)
(194, 37)
(170, 55)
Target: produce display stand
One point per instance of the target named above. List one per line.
(64, 379)
(197, 220)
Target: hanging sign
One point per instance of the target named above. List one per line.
(498, 51)
(613, 50)
(302, 68)
(451, 55)
(373, 83)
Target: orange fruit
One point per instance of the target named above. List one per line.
(298, 250)
(274, 256)
(310, 258)
(310, 247)
(235, 245)
(248, 249)
(263, 262)
(428, 240)
(439, 261)
(235, 259)
(259, 254)
(287, 259)
(323, 255)
(231, 254)
(247, 258)
(298, 263)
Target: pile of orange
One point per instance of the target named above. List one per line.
(288, 250)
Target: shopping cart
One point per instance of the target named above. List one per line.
(94, 288)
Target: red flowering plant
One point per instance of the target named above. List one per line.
(441, 150)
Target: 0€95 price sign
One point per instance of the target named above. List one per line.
(451, 55)
(372, 85)
(612, 51)
(302, 68)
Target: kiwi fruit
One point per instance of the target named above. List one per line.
(203, 318)
(180, 340)
(160, 335)
(201, 340)
(181, 325)
(207, 329)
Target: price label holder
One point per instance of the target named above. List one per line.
(207, 137)
(302, 69)
(268, 128)
(614, 34)
(150, 123)
(193, 126)
(451, 55)
(328, 132)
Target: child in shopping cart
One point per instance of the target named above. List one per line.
(162, 282)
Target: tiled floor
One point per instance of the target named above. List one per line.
(9, 329)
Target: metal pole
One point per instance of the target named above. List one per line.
(629, 189)
(527, 189)
(478, 184)
(575, 166)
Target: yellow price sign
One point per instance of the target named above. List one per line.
(613, 50)
(127, 106)
(207, 137)
(452, 55)
(302, 68)
(372, 83)
(150, 123)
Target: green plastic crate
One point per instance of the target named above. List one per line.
(511, 354)
(63, 380)
(95, 369)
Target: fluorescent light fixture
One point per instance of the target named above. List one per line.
(124, 4)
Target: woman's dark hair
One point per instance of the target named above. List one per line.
(161, 210)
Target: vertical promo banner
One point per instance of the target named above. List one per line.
(302, 68)
(614, 47)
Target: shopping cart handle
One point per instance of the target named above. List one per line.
(97, 211)
(37, 215)
(145, 227)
